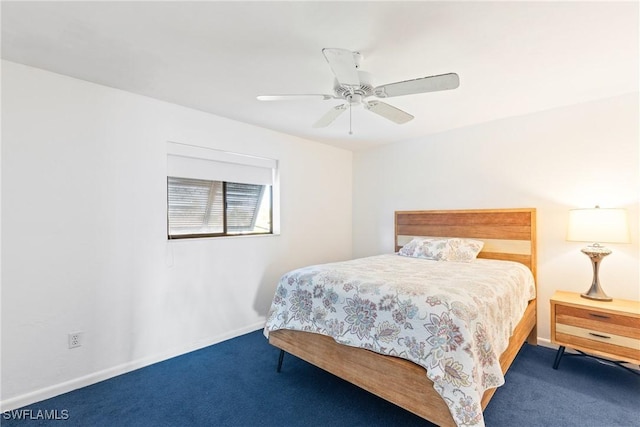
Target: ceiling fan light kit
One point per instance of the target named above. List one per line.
(354, 86)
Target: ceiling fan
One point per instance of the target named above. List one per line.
(355, 87)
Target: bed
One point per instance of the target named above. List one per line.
(401, 375)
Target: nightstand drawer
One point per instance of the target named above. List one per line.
(598, 321)
(596, 335)
(630, 351)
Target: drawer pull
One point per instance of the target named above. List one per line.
(600, 316)
(599, 336)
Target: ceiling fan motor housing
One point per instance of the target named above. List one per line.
(362, 91)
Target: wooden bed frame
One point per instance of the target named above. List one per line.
(509, 234)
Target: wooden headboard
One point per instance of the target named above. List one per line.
(508, 234)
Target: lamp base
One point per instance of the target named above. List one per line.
(596, 253)
(597, 295)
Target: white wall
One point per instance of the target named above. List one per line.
(84, 232)
(577, 156)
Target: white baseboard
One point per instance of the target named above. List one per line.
(96, 377)
(546, 342)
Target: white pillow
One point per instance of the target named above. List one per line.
(411, 249)
(463, 250)
(428, 248)
(434, 249)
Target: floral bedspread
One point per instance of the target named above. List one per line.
(452, 318)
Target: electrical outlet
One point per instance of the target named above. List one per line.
(75, 339)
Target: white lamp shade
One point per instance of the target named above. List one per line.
(598, 225)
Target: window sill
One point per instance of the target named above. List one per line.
(234, 236)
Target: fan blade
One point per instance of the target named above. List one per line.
(388, 112)
(421, 85)
(328, 118)
(293, 97)
(343, 66)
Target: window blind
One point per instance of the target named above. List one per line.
(195, 206)
(243, 202)
(189, 161)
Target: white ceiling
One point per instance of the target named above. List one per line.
(513, 58)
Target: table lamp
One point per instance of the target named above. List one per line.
(597, 225)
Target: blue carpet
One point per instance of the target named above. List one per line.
(235, 383)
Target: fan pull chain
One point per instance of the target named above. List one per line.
(350, 132)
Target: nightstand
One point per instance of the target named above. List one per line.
(609, 330)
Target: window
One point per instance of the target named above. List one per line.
(203, 201)
(200, 208)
